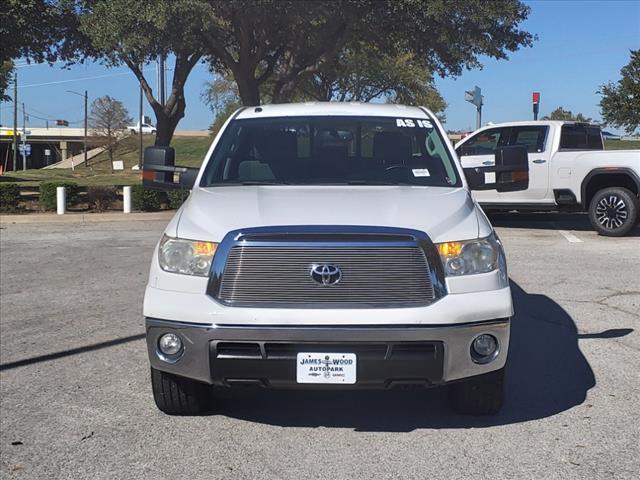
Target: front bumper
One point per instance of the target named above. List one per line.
(387, 355)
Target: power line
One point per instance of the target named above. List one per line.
(81, 78)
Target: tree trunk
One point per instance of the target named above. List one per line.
(166, 124)
(169, 114)
(248, 88)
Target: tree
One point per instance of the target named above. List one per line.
(269, 47)
(134, 33)
(620, 104)
(109, 118)
(365, 73)
(31, 29)
(562, 114)
(6, 77)
(281, 43)
(221, 95)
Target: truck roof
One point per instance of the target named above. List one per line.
(332, 108)
(557, 123)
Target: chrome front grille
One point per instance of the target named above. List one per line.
(280, 276)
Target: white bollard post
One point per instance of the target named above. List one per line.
(126, 199)
(61, 200)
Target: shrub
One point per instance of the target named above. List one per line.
(9, 197)
(48, 194)
(177, 197)
(101, 197)
(145, 199)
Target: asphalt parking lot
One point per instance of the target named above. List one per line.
(75, 399)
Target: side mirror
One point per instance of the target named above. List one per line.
(160, 173)
(510, 173)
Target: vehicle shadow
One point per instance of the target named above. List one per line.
(576, 221)
(546, 374)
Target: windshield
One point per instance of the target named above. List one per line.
(331, 150)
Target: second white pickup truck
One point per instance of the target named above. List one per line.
(568, 170)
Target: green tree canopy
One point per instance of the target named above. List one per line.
(280, 43)
(562, 114)
(620, 104)
(31, 29)
(273, 48)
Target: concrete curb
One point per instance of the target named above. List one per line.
(85, 217)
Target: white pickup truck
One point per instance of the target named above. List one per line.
(568, 169)
(147, 129)
(329, 245)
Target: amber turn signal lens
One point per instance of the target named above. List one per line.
(204, 248)
(450, 249)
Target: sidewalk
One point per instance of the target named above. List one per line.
(85, 217)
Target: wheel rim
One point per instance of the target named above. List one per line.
(611, 212)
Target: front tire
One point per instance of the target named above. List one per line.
(613, 211)
(178, 395)
(480, 395)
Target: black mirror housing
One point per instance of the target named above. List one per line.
(511, 170)
(159, 171)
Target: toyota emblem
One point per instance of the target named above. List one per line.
(325, 274)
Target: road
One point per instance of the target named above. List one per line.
(75, 398)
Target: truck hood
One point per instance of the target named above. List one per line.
(445, 214)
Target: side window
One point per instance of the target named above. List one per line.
(485, 142)
(580, 137)
(532, 137)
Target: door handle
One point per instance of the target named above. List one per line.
(539, 160)
(488, 162)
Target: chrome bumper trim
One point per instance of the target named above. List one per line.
(195, 362)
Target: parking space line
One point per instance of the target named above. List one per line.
(571, 238)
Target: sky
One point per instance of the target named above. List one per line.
(581, 45)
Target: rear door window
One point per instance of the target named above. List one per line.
(532, 137)
(485, 142)
(580, 137)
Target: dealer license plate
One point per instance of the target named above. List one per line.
(313, 367)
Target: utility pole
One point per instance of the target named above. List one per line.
(140, 127)
(86, 99)
(84, 142)
(24, 138)
(161, 79)
(475, 96)
(15, 121)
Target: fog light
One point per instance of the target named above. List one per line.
(170, 344)
(484, 348)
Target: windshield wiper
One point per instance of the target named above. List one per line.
(263, 182)
(376, 182)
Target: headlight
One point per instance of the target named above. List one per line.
(472, 256)
(189, 257)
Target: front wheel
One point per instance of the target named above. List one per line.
(178, 395)
(480, 395)
(613, 211)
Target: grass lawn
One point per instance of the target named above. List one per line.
(190, 152)
(622, 145)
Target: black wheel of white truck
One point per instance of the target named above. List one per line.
(179, 396)
(613, 211)
(480, 395)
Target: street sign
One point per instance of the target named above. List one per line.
(24, 149)
(475, 96)
(535, 98)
